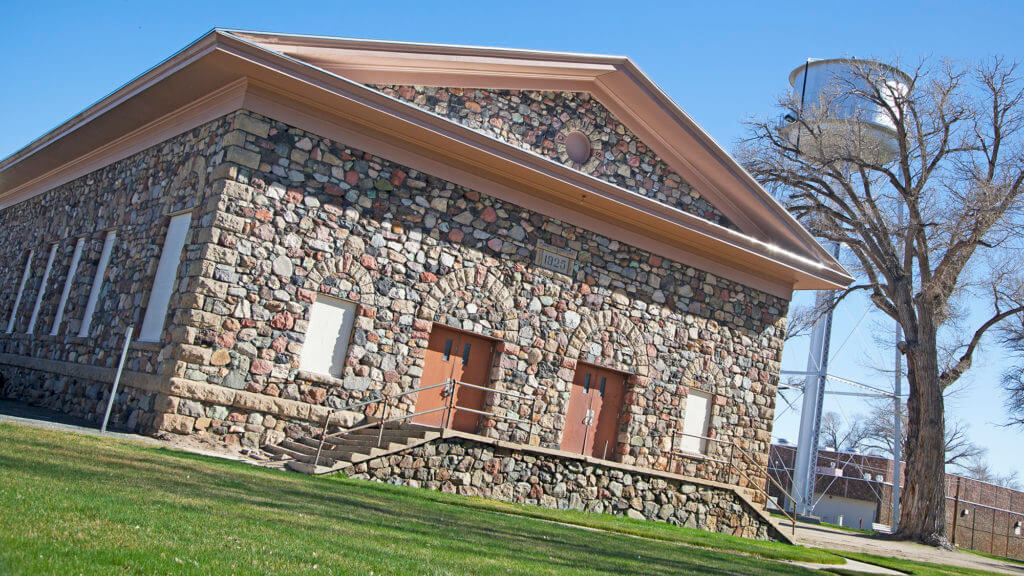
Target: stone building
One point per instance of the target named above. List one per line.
(294, 224)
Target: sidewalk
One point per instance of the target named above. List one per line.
(816, 536)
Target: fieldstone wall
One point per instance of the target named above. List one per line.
(539, 121)
(82, 397)
(134, 197)
(467, 467)
(302, 215)
(281, 215)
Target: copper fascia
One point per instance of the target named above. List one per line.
(221, 61)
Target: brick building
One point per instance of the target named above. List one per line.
(855, 490)
(295, 224)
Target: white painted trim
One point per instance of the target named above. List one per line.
(165, 279)
(97, 283)
(42, 290)
(21, 289)
(68, 282)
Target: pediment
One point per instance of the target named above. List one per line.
(614, 81)
(322, 84)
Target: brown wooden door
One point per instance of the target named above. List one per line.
(592, 420)
(462, 357)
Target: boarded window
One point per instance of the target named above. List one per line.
(21, 290)
(698, 411)
(165, 279)
(97, 284)
(330, 326)
(68, 283)
(41, 293)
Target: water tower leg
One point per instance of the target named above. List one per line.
(806, 466)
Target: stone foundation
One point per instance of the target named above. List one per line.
(148, 403)
(81, 396)
(477, 466)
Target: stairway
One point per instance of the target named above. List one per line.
(345, 449)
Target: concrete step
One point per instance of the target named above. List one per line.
(297, 446)
(388, 433)
(281, 451)
(341, 451)
(308, 468)
(368, 441)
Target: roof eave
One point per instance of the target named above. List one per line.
(798, 272)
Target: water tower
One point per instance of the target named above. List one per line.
(837, 115)
(837, 118)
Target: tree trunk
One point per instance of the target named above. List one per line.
(923, 503)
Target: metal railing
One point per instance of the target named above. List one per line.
(448, 408)
(731, 466)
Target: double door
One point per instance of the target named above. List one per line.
(592, 420)
(455, 355)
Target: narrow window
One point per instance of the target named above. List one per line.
(68, 282)
(465, 354)
(698, 411)
(97, 283)
(586, 383)
(21, 289)
(601, 390)
(327, 337)
(447, 349)
(42, 289)
(166, 274)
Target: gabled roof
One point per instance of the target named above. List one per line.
(318, 83)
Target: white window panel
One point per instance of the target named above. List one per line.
(97, 284)
(166, 276)
(698, 412)
(330, 327)
(41, 293)
(21, 290)
(68, 282)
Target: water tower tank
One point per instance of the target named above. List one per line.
(840, 121)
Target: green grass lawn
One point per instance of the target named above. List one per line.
(77, 504)
(80, 504)
(910, 566)
(994, 557)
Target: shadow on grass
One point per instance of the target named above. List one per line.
(168, 488)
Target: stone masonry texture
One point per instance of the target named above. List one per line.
(462, 466)
(307, 215)
(539, 121)
(133, 197)
(280, 215)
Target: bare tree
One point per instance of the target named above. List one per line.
(1013, 379)
(801, 321)
(878, 431)
(980, 469)
(837, 434)
(958, 175)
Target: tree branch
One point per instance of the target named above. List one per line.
(964, 362)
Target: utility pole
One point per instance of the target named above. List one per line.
(897, 441)
(897, 425)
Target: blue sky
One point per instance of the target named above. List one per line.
(721, 62)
